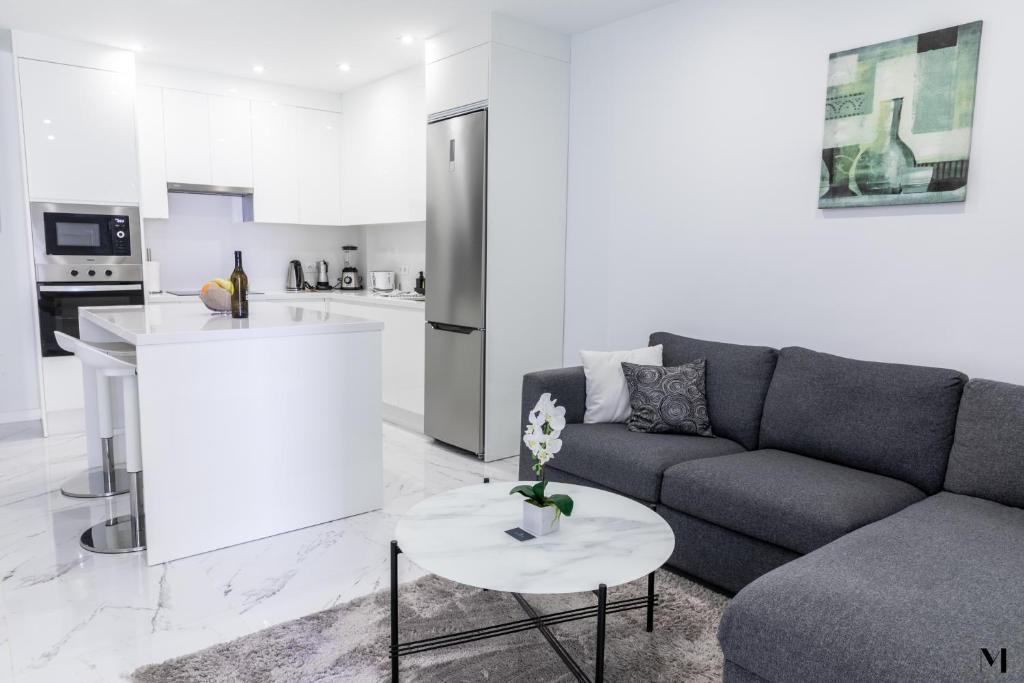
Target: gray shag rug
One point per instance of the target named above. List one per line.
(350, 642)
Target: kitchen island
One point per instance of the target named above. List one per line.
(250, 427)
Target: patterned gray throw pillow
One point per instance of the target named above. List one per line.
(668, 400)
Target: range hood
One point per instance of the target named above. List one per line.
(192, 188)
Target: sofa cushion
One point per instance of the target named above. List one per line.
(737, 381)
(667, 400)
(790, 500)
(913, 597)
(987, 459)
(630, 462)
(895, 420)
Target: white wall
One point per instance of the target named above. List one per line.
(694, 167)
(19, 380)
(199, 239)
(397, 246)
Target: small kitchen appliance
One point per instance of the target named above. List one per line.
(296, 280)
(350, 274)
(382, 280)
(86, 243)
(323, 279)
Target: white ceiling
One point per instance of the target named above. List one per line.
(300, 42)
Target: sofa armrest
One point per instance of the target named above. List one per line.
(568, 386)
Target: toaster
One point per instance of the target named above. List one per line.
(382, 280)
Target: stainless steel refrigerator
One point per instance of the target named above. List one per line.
(456, 280)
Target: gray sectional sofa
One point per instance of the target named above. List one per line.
(869, 514)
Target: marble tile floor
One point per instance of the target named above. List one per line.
(70, 615)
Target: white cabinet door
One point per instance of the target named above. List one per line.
(230, 141)
(384, 151)
(149, 109)
(402, 351)
(458, 80)
(79, 127)
(187, 136)
(319, 167)
(275, 176)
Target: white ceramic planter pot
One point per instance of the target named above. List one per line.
(540, 521)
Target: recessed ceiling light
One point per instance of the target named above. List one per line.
(344, 66)
(406, 39)
(136, 47)
(47, 121)
(258, 68)
(51, 137)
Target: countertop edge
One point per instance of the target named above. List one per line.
(204, 336)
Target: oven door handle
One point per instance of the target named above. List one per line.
(89, 289)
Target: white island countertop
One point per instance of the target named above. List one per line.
(176, 323)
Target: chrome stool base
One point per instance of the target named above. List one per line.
(118, 535)
(92, 484)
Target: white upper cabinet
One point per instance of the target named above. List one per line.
(458, 80)
(149, 106)
(187, 135)
(230, 141)
(79, 127)
(319, 166)
(275, 163)
(209, 139)
(384, 151)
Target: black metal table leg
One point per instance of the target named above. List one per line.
(650, 602)
(395, 550)
(602, 606)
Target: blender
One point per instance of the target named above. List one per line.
(349, 273)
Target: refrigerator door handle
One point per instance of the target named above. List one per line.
(457, 329)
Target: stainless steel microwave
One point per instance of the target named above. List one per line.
(71, 239)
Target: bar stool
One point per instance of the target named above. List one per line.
(126, 533)
(107, 480)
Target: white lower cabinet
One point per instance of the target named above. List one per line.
(403, 344)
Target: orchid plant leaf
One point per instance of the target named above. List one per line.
(562, 502)
(524, 489)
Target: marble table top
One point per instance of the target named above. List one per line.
(460, 535)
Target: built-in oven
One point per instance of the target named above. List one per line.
(59, 303)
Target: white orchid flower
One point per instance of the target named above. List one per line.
(546, 422)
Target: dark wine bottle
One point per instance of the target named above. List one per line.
(240, 294)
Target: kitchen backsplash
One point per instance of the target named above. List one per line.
(399, 247)
(199, 239)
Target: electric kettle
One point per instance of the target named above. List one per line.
(296, 280)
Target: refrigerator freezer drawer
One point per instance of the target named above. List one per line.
(454, 407)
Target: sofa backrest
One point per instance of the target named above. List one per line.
(987, 459)
(894, 420)
(736, 381)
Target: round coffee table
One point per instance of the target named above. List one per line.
(460, 535)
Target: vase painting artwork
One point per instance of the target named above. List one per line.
(898, 119)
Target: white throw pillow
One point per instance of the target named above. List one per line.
(607, 393)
